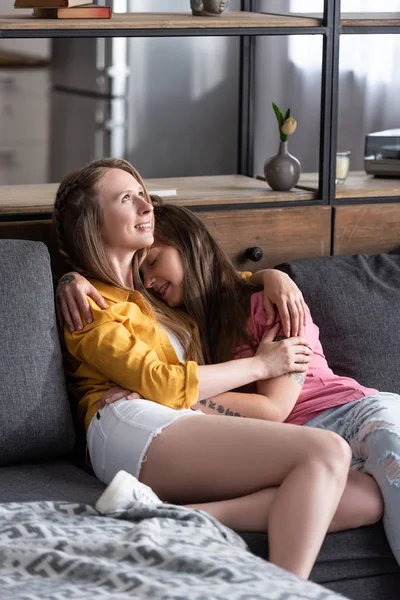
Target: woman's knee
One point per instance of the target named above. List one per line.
(332, 450)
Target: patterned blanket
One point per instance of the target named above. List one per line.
(61, 551)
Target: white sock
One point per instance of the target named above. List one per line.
(122, 492)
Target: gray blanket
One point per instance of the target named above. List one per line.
(60, 551)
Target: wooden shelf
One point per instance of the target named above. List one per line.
(166, 21)
(20, 200)
(359, 19)
(159, 21)
(224, 189)
(370, 19)
(357, 185)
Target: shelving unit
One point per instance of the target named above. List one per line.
(358, 187)
(199, 193)
(247, 24)
(241, 191)
(159, 24)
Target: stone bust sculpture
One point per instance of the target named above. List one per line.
(208, 8)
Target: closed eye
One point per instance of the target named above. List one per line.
(151, 258)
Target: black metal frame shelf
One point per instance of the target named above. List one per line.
(330, 30)
(181, 32)
(372, 200)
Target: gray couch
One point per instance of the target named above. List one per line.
(354, 300)
(36, 430)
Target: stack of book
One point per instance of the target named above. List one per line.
(65, 9)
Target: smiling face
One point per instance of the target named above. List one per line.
(127, 217)
(163, 273)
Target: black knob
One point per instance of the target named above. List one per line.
(255, 254)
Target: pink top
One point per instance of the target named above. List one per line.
(322, 389)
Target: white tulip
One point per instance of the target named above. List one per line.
(289, 126)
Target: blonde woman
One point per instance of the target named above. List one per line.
(104, 222)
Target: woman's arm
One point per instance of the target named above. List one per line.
(281, 291)
(231, 404)
(277, 358)
(115, 352)
(274, 401)
(281, 394)
(71, 298)
(235, 404)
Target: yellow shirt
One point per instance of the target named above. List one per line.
(124, 344)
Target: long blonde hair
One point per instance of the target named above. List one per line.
(77, 220)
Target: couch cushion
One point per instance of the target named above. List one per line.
(57, 480)
(355, 301)
(35, 418)
(357, 563)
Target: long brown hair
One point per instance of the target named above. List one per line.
(77, 220)
(215, 296)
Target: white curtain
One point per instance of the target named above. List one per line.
(369, 86)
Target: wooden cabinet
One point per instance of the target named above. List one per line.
(37, 231)
(239, 211)
(281, 233)
(366, 228)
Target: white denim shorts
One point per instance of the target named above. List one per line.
(120, 433)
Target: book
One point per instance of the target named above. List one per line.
(163, 193)
(50, 3)
(80, 12)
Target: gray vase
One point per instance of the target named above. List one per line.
(208, 8)
(282, 171)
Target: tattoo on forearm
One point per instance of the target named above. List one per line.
(299, 377)
(221, 409)
(66, 279)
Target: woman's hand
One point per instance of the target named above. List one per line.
(282, 292)
(116, 393)
(71, 295)
(285, 356)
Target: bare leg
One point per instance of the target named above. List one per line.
(208, 459)
(361, 504)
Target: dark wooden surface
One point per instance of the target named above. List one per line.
(366, 228)
(282, 233)
(22, 200)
